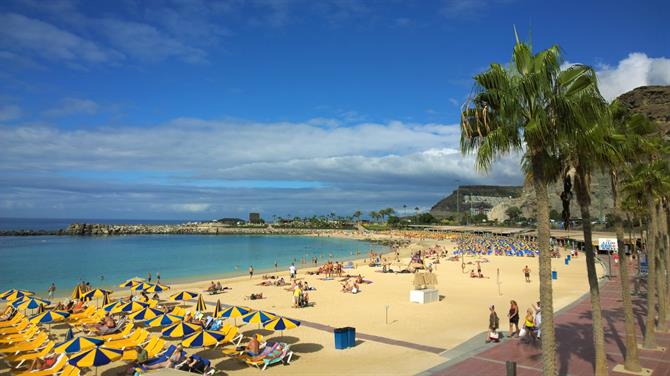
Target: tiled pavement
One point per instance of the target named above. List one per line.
(575, 353)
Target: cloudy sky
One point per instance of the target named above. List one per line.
(196, 110)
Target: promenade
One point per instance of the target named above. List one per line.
(574, 336)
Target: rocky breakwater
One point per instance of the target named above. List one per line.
(186, 228)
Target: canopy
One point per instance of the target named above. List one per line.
(129, 307)
(77, 344)
(180, 329)
(201, 306)
(12, 294)
(258, 317)
(184, 295)
(29, 302)
(163, 320)
(146, 314)
(203, 338)
(281, 323)
(49, 317)
(96, 357)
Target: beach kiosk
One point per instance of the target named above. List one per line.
(424, 288)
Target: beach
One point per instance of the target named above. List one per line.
(413, 336)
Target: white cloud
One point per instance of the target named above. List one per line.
(22, 33)
(9, 112)
(190, 208)
(74, 106)
(634, 71)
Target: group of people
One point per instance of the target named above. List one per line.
(215, 288)
(531, 322)
(495, 245)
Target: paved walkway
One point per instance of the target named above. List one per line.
(575, 353)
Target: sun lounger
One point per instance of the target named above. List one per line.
(137, 338)
(31, 345)
(13, 321)
(161, 358)
(19, 337)
(20, 327)
(88, 312)
(22, 358)
(278, 353)
(118, 332)
(61, 361)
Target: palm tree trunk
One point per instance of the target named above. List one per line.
(631, 358)
(650, 333)
(546, 295)
(662, 323)
(582, 188)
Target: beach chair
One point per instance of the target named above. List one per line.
(279, 353)
(159, 359)
(138, 337)
(19, 337)
(32, 345)
(156, 348)
(115, 334)
(87, 313)
(61, 362)
(22, 358)
(178, 311)
(232, 336)
(19, 328)
(70, 370)
(13, 321)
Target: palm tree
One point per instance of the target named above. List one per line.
(374, 215)
(524, 109)
(583, 150)
(357, 215)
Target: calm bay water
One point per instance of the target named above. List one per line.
(34, 262)
(52, 224)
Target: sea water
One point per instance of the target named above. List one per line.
(34, 262)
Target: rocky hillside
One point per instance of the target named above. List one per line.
(490, 194)
(651, 101)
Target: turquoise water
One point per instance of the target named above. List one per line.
(34, 262)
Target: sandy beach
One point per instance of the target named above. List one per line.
(460, 314)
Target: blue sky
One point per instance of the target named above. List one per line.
(193, 109)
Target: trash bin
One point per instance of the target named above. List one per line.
(351, 336)
(569, 257)
(340, 338)
(554, 275)
(567, 261)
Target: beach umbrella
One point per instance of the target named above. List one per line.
(184, 295)
(48, 317)
(163, 320)
(218, 308)
(96, 357)
(11, 295)
(132, 282)
(258, 317)
(157, 287)
(129, 307)
(29, 302)
(146, 314)
(180, 329)
(77, 293)
(111, 305)
(234, 312)
(140, 286)
(69, 334)
(41, 308)
(97, 294)
(201, 306)
(203, 338)
(77, 344)
(106, 300)
(281, 324)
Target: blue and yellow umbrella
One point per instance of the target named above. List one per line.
(106, 300)
(184, 295)
(258, 317)
(203, 338)
(95, 294)
(96, 357)
(129, 307)
(11, 295)
(78, 344)
(157, 287)
(132, 282)
(48, 317)
(146, 314)
(110, 306)
(140, 286)
(201, 306)
(217, 308)
(180, 329)
(234, 312)
(77, 293)
(29, 302)
(164, 320)
(281, 324)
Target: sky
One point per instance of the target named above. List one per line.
(200, 110)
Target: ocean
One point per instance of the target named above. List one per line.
(52, 224)
(34, 262)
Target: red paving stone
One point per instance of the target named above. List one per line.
(574, 337)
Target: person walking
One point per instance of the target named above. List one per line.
(149, 277)
(158, 277)
(292, 270)
(51, 290)
(494, 323)
(251, 271)
(513, 316)
(526, 273)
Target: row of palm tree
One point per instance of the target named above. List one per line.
(555, 117)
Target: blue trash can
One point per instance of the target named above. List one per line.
(340, 338)
(569, 257)
(567, 261)
(554, 275)
(351, 336)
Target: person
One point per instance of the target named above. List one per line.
(158, 277)
(177, 357)
(253, 347)
(526, 273)
(275, 266)
(472, 274)
(251, 271)
(142, 357)
(212, 287)
(513, 316)
(40, 364)
(494, 323)
(194, 364)
(218, 286)
(528, 323)
(297, 292)
(149, 277)
(292, 270)
(51, 290)
(538, 319)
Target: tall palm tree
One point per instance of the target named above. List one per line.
(584, 150)
(524, 109)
